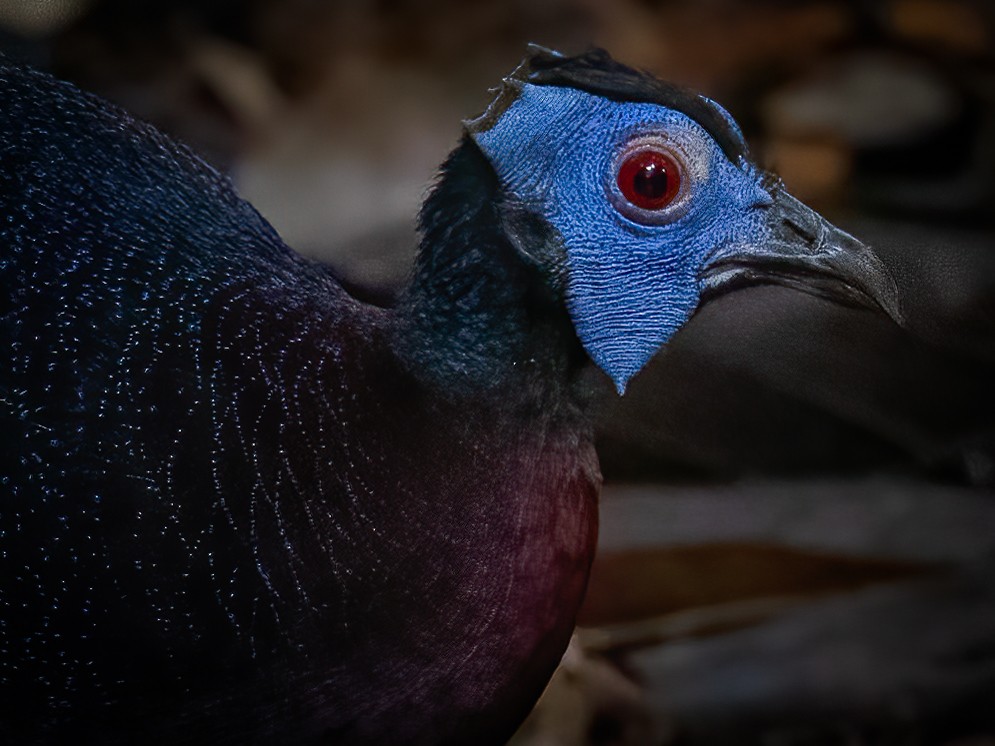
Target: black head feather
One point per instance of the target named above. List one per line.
(596, 72)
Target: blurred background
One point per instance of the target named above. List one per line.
(798, 522)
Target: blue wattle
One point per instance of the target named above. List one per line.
(630, 286)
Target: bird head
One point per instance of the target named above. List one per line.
(654, 203)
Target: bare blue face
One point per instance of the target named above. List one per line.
(633, 273)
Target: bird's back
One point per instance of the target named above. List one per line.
(115, 245)
(122, 257)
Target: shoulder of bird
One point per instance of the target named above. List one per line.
(241, 505)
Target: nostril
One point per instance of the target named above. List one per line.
(808, 232)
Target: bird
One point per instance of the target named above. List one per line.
(240, 505)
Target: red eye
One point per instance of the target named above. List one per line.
(649, 179)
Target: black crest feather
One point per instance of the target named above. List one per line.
(597, 72)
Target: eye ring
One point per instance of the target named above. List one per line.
(648, 181)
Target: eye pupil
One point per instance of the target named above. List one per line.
(649, 180)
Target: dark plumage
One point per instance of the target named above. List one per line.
(240, 506)
(596, 72)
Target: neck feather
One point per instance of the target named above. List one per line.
(485, 307)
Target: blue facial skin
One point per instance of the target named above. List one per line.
(633, 275)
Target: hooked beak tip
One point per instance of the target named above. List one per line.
(804, 251)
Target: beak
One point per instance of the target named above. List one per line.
(806, 252)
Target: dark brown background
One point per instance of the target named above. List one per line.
(798, 521)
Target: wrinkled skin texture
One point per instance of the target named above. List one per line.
(632, 284)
